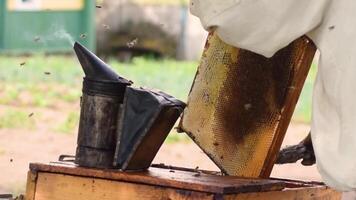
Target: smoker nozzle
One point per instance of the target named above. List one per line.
(99, 77)
(94, 68)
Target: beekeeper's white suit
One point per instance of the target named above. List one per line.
(265, 26)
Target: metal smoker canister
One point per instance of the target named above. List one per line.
(103, 93)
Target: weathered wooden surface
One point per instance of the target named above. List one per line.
(188, 180)
(67, 183)
(290, 194)
(241, 103)
(31, 185)
(64, 187)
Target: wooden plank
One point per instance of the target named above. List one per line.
(31, 185)
(241, 103)
(186, 180)
(317, 193)
(66, 187)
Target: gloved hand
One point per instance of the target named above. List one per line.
(303, 151)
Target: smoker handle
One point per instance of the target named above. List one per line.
(66, 158)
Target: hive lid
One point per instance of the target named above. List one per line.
(179, 178)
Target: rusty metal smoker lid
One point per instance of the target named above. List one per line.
(99, 78)
(104, 88)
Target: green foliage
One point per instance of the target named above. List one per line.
(2, 152)
(16, 188)
(16, 119)
(175, 137)
(65, 80)
(8, 94)
(70, 96)
(170, 76)
(35, 95)
(27, 85)
(162, 2)
(70, 123)
(303, 109)
(63, 69)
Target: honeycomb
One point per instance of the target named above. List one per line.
(241, 103)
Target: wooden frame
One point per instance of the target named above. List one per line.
(241, 103)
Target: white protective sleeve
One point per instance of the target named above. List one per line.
(261, 26)
(265, 26)
(334, 100)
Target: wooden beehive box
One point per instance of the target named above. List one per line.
(61, 182)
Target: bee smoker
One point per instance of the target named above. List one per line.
(103, 93)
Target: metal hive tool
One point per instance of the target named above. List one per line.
(241, 103)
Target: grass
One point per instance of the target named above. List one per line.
(2, 151)
(162, 2)
(16, 119)
(70, 123)
(303, 109)
(175, 137)
(63, 69)
(9, 94)
(168, 75)
(35, 95)
(28, 86)
(16, 188)
(155, 2)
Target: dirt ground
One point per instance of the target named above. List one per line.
(20, 147)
